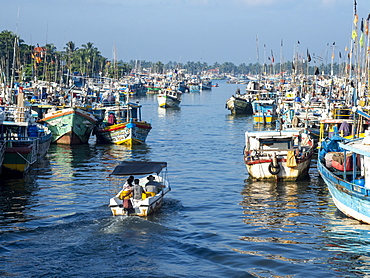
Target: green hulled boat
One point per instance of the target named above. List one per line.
(71, 126)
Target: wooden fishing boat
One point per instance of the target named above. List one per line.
(239, 105)
(169, 98)
(127, 127)
(348, 179)
(149, 203)
(205, 84)
(25, 140)
(25, 143)
(71, 126)
(283, 155)
(264, 111)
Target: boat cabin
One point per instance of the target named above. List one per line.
(281, 141)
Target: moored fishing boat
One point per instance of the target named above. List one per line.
(240, 104)
(25, 143)
(344, 165)
(71, 126)
(122, 124)
(264, 111)
(283, 155)
(169, 98)
(149, 203)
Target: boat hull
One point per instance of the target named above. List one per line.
(259, 170)
(239, 107)
(351, 199)
(19, 155)
(146, 207)
(166, 101)
(71, 126)
(263, 119)
(131, 133)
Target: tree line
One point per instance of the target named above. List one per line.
(20, 62)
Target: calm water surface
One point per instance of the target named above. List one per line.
(214, 223)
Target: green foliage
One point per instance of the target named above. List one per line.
(54, 65)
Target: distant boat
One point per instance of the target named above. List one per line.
(121, 125)
(239, 104)
(70, 126)
(205, 84)
(169, 98)
(194, 86)
(282, 155)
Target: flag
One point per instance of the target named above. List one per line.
(340, 55)
(354, 34)
(366, 27)
(361, 40)
(293, 66)
(362, 25)
(317, 71)
(308, 56)
(272, 57)
(355, 20)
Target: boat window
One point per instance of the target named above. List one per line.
(133, 112)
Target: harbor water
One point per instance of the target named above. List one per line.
(214, 223)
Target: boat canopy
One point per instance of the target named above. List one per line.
(138, 168)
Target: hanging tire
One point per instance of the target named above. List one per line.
(274, 170)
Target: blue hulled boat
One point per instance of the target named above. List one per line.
(344, 165)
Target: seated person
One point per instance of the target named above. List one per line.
(152, 181)
(151, 187)
(138, 190)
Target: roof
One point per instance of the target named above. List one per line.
(126, 168)
(270, 134)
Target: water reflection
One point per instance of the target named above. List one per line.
(14, 198)
(172, 112)
(271, 203)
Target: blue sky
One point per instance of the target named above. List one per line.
(187, 30)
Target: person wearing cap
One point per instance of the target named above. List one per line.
(151, 187)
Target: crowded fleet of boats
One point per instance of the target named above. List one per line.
(294, 117)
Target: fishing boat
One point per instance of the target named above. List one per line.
(121, 124)
(284, 155)
(344, 165)
(264, 111)
(149, 203)
(240, 104)
(169, 98)
(205, 84)
(25, 140)
(70, 126)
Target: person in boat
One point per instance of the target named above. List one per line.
(126, 194)
(112, 119)
(129, 181)
(152, 185)
(138, 190)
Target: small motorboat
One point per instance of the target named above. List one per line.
(149, 202)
